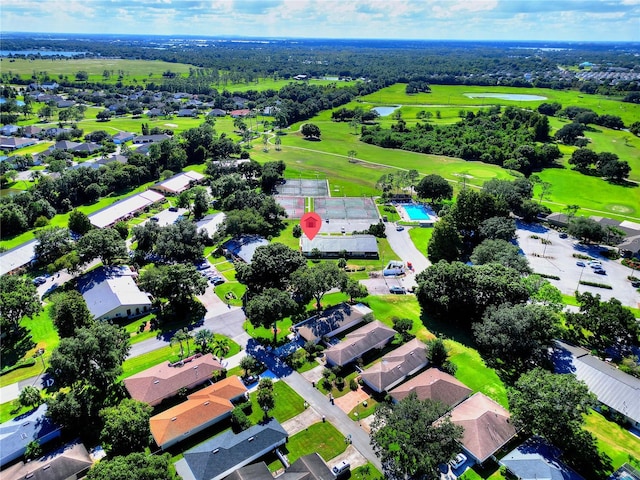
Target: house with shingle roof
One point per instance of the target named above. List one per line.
(179, 183)
(14, 143)
(71, 461)
(111, 292)
(221, 455)
(433, 384)
(396, 365)
(369, 337)
(155, 384)
(332, 321)
(17, 433)
(536, 459)
(309, 467)
(243, 112)
(202, 409)
(614, 388)
(487, 426)
(122, 137)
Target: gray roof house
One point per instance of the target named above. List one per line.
(332, 321)
(363, 246)
(372, 335)
(150, 138)
(69, 462)
(17, 433)
(245, 247)
(617, 390)
(396, 365)
(113, 293)
(217, 112)
(122, 137)
(221, 455)
(535, 459)
(309, 467)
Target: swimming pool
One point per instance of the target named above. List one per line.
(416, 212)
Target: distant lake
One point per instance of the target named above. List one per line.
(42, 53)
(18, 102)
(520, 97)
(386, 111)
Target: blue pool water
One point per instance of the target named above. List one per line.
(416, 212)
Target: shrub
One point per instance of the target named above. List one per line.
(595, 284)
(353, 384)
(339, 383)
(239, 420)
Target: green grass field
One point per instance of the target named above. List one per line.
(322, 438)
(614, 440)
(453, 96)
(288, 404)
(135, 71)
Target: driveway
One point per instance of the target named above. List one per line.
(402, 245)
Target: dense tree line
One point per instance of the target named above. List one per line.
(509, 139)
(471, 63)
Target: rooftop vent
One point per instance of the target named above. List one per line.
(251, 439)
(216, 450)
(174, 419)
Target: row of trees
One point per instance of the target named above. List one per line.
(279, 284)
(510, 139)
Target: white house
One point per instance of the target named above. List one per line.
(112, 293)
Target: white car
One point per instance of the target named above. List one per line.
(458, 461)
(340, 468)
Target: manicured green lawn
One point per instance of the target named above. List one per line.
(614, 440)
(595, 196)
(43, 335)
(138, 69)
(453, 95)
(322, 438)
(135, 365)
(8, 411)
(366, 472)
(288, 404)
(420, 238)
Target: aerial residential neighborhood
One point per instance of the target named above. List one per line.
(321, 254)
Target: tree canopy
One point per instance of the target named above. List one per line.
(70, 312)
(125, 427)
(314, 282)
(135, 466)
(271, 267)
(412, 437)
(19, 298)
(105, 244)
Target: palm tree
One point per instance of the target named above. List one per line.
(181, 336)
(220, 346)
(203, 338)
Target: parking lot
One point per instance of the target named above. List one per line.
(551, 255)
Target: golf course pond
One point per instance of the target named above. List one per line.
(518, 97)
(386, 111)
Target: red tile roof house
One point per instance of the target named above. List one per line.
(373, 335)
(396, 365)
(203, 408)
(240, 113)
(487, 426)
(155, 384)
(433, 384)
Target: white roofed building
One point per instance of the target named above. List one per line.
(113, 293)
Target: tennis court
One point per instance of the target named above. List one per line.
(293, 205)
(302, 187)
(362, 208)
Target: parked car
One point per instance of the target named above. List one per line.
(173, 209)
(341, 468)
(154, 219)
(249, 379)
(39, 280)
(600, 271)
(563, 235)
(635, 284)
(399, 228)
(397, 290)
(458, 461)
(580, 264)
(217, 280)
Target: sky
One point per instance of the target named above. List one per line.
(543, 20)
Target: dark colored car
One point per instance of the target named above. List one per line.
(397, 290)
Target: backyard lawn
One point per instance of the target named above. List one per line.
(288, 404)
(322, 438)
